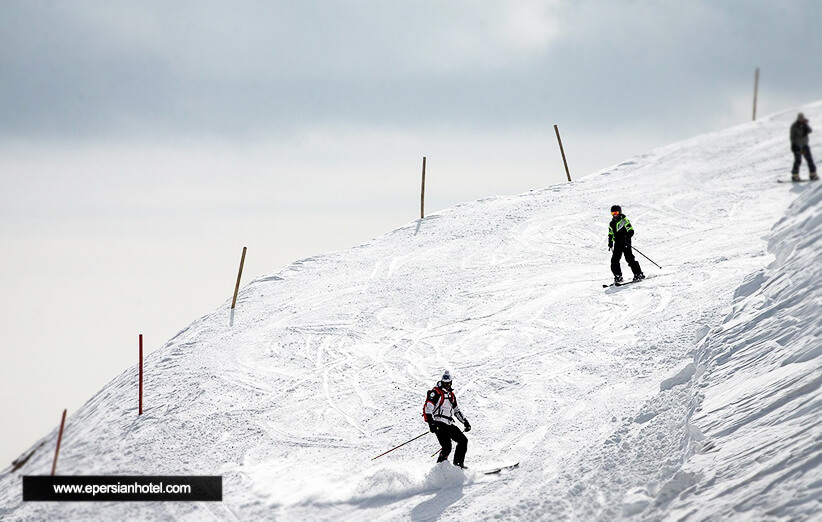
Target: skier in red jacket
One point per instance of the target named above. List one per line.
(440, 411)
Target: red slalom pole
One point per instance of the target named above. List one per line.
(59, 440)
(141, 375)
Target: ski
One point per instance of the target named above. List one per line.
(794, 181)
(494, 471)
(623, 283)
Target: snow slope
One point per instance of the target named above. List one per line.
(690, 395)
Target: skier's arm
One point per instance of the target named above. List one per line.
(428, 412)
(455, 410)
(460, 417)
(430, 406)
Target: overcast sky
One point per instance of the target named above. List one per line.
(143, 144)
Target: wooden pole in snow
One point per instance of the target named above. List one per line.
(756, 89)
(59, 440)
(239, 276)
(562, 151)
(141, 377)
(422, 191)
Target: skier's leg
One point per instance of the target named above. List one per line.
(444, 437)
(462, 446)
(797, 160)
(616, 255)
(806, 151)
(632, 262)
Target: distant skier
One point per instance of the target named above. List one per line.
(439, 412)
(620, 232)
(800, 147)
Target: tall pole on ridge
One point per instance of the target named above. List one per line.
(140, 385)
(59, 440)
(756, 89)
(422, 191)
(239, 276)
(562, 151)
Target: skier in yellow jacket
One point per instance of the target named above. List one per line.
(620, 232)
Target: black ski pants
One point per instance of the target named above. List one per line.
(798, 152)
(619, 249)
(445, 434)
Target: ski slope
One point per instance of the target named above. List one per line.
(691, 395)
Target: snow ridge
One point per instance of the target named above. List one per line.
(757, 387)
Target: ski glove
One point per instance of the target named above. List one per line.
(467, 427)
(432, 426)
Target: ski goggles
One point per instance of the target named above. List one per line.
(615, 213)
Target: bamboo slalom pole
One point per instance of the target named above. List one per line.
(562, 151)
(422, 191)
(140, 400)
(59, 440)
(239, 276)
(756, 91)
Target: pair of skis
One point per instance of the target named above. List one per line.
(623, 283)
(496, 470)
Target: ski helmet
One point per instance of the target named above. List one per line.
(616, 208)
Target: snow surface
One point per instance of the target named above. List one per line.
(693, 395)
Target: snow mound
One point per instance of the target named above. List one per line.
(373, 486)
(758, 398)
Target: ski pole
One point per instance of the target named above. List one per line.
(401, 445)
(643, 255)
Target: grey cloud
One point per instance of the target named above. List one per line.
(123, 68)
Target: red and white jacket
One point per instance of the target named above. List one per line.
(441, 406)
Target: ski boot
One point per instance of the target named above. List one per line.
(617, 279)
(814, 176)
(795, 177)
(639, 277)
